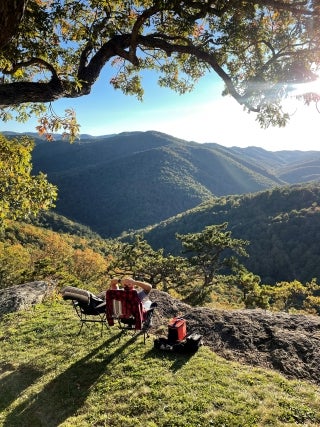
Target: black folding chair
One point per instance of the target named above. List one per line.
(89, 307)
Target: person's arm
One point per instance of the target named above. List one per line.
(143, 285)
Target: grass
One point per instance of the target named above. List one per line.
(52, 377)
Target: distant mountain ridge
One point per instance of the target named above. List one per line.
(115, 183)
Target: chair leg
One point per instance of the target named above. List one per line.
(79, 332)
(82, 322)
(148, 322)
(145, 335)
(85, 320)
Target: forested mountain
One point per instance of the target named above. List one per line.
(131, 180)
(114, 184)
(282, 225)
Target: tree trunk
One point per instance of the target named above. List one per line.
(11, 13)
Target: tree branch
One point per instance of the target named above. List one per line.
(135, 32)
(208, 58)
(22, 92)
(32, 61)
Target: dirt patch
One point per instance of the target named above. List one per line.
(284, 342)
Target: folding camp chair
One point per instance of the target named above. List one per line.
(89, 308)
(125, 306)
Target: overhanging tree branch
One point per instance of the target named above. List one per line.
(245, 43)
(202, 55)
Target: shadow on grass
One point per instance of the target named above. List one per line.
(66, 393)
(13, 384)
(178, 359)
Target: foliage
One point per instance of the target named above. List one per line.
(15, 262)
(208, 252)
(88, 265)
(292, 297)
(252, 291)
(32, 253)
(21, 194)
(131, 258)
(285, 296)
(50, 376)
(312, 304)
(259, 50)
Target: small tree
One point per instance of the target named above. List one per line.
(165, 272)
(252, 291)
(127, 258)
(141, 260)
(209, 252)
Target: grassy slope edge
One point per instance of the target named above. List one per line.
(50, 377)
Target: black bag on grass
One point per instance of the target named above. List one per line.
(192, 343)
(187, 346)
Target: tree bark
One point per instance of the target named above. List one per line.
(20, 92)
(11, 14)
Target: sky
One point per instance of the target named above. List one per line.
(202, 115)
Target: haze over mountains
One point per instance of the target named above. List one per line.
(135, 179)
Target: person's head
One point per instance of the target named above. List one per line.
(127, 284)
(114, 284)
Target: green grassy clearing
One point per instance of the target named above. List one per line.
(51, 377)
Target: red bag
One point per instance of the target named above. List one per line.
(177, 329)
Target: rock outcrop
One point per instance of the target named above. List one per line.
(288, 343)
(21, 297)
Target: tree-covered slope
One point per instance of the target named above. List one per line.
(289, 166)
(282, 225)
(306, 171)
(132, 180)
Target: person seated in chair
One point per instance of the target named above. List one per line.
(129, 283)
(143, 291)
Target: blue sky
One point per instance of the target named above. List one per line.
(202, 116)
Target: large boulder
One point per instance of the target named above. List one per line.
(20, 297)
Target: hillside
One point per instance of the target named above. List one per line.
(160, 185)
(309, 170)
(132, 180)
(115, 183)
(51, 377)
(128, 181)
(282, 226)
